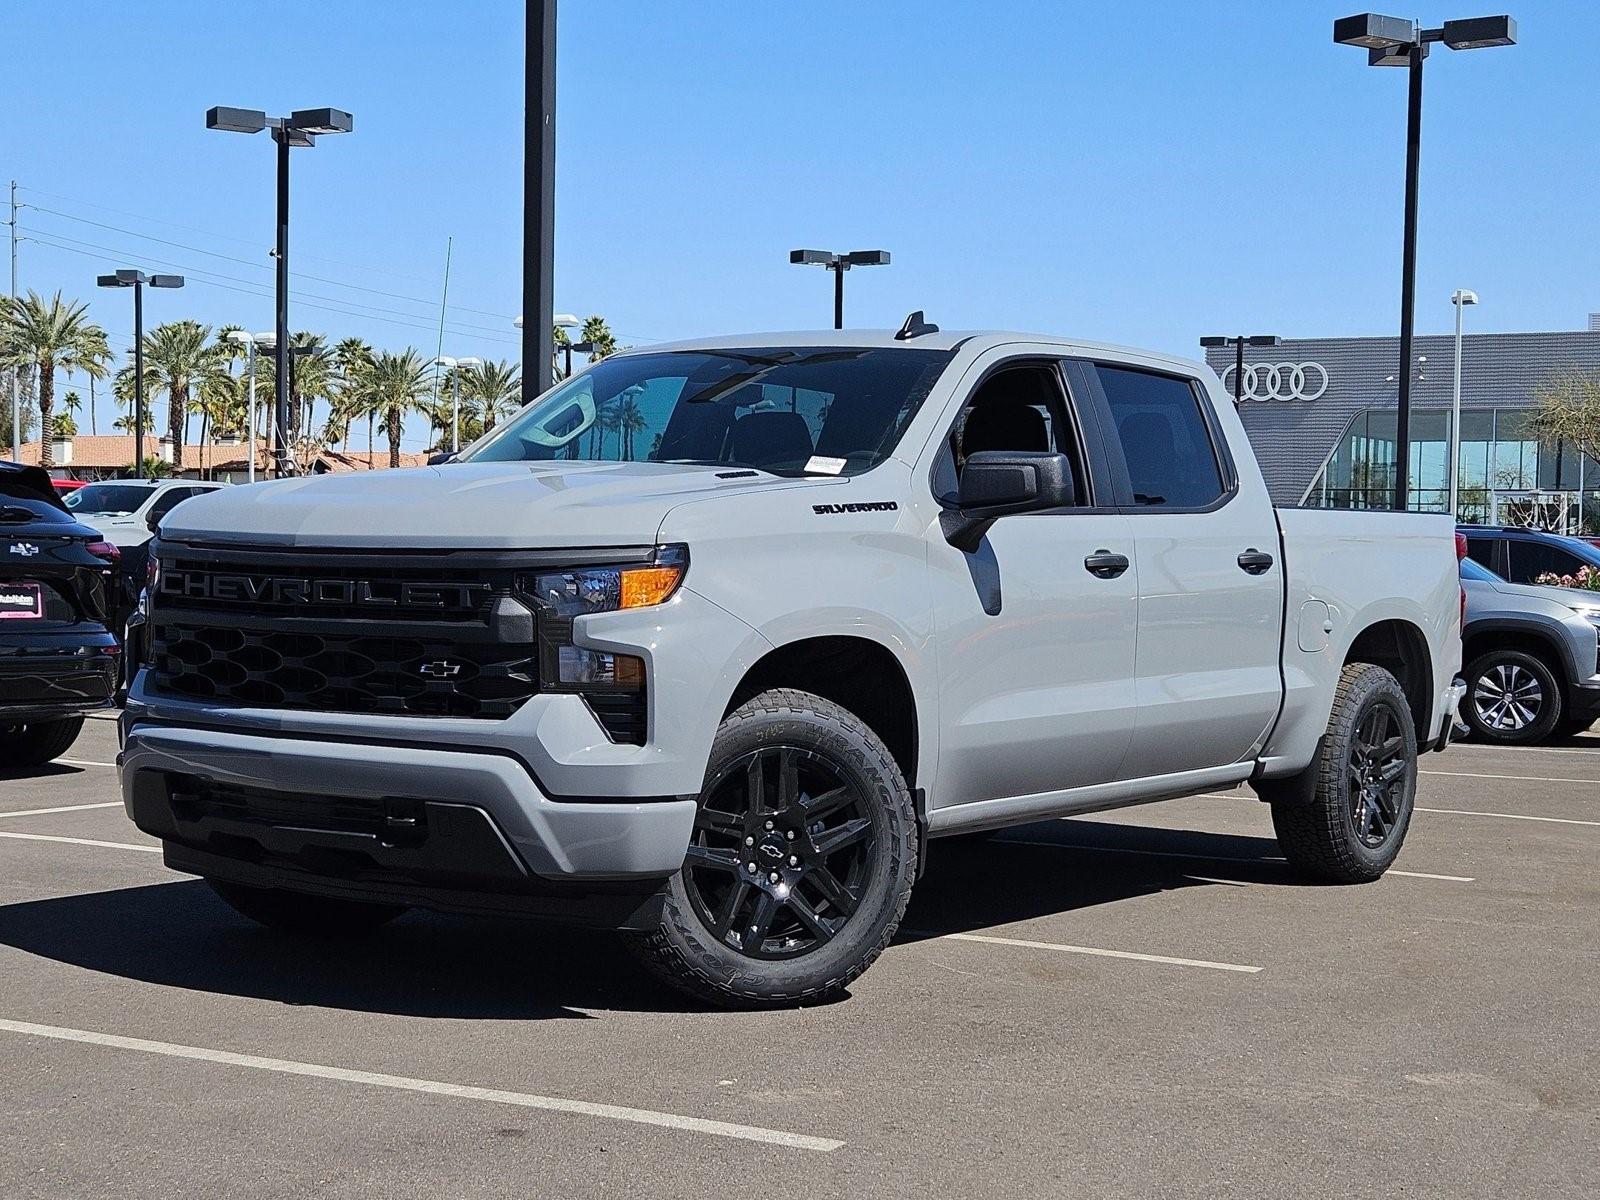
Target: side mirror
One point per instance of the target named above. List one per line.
(1001, 483)
(439, 459)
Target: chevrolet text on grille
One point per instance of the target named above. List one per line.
(287, 590)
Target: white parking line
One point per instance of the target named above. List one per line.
(1274, 860)
(50, 837)
(1465, 812)
(1515, 778)
(82, 762)
(989, 939)
(611, 1112)
(39, 812)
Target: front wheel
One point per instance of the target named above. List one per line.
(801, 861)
(1351, 826)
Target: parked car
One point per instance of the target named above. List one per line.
(124, 511)
(1521, 556)
(825, 596)
(1532, 659)
(57, 658)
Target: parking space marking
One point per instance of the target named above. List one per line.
(39, 812)
(1514, 778)
(990, 939)
(82, 762)
(1275, 860)
(610, 1112)
(1466, 812)
(50, 837)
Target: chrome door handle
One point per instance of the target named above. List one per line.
(1105, 565)
(1254, 562)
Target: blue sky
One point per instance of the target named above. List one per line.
(1141, 173)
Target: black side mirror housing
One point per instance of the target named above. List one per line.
(1002, 483)
(439, 459)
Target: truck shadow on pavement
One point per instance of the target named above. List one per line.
(180, 935)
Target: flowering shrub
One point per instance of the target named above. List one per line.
(1587, 579)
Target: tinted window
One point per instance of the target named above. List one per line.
(1481, 549)
(1165, 441)
(1017, 409)
(1530, 560)
(170, 499)
(791, 410)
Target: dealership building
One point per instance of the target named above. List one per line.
(1320, 413)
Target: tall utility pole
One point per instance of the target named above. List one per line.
(16, 413)
(539, 197)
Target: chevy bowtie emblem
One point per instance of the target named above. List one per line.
(440, 669)
(26, 549)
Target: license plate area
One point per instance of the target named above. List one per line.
(21, 601)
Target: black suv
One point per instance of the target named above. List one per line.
(1522, 555)
(57, 658)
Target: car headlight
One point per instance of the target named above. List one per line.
(577, 593)
(1591, 615)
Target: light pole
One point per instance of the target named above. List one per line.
(136, 280)
(839, 264)
(1401, 42)
(453, 365)
(240, 338)
(300, 128)
(1240, 340)
(1460, 298)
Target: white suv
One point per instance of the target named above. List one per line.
(123, 510)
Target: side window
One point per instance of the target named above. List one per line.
(1017, 408)
(1529, 560)
(1481, 550)
(1165, 440)
(168, 500)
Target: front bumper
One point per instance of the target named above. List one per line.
(444, 828)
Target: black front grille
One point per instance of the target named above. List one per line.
(195, 800)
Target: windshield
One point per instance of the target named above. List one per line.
(106, 498)
(808, 410)
(1471, 569)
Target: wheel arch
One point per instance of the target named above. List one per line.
(1479, 638)
(1401, 648)
(857, 673)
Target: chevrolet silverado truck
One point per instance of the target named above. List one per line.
(708, 642)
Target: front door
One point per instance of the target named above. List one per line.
(1210, 583)
(1036, 627)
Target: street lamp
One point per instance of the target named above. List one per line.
(300, 128)
(1240, 340)
(1399, 42)
(136, 280)
(452, 365)
(240, 338)
(839, 264)
(1460, 298)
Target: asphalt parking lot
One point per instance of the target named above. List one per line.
(1143, 1004)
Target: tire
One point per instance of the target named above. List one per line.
(832, 833)
(305, 914)
(35, 744)
(1572, 726)
(1352, 825)
(1513, 698)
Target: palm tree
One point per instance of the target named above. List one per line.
(96, 365)
(630, 419)
(596, 332)
(398, 384)
(43, 335)
(178, 357)
(489, 391)
(351, 357)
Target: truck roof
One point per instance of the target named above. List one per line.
(978, 339)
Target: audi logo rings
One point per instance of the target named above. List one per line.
(1279, 381)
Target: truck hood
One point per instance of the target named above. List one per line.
(480, 505)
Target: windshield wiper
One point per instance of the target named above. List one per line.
(769, 364)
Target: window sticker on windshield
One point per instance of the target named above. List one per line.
(20, 601)
(818, 464)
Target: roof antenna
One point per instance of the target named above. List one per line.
(915, 327)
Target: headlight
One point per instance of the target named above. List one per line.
(1591, 615)
(568, 594)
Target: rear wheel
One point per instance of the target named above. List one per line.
(38, 742)
(1351, 827)
(302, 913)
(1512, 698)
(801, 861)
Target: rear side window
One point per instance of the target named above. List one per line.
(1529, 560)
(1481, 550)
(1165, 440)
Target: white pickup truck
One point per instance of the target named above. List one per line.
(708, 642)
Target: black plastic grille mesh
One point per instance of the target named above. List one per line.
(414, 675)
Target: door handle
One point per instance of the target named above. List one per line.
(1105, 565)
(1254, 562)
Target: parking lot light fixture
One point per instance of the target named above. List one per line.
(137, 280)
(300, 129)
(1398, 42)
(839, 264)
(1240, 341)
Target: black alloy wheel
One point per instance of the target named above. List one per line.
(1378, 762)
(782, 845)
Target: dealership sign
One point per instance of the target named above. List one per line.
(1280, 381)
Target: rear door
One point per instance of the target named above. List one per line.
(1207, 681)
